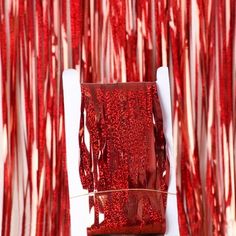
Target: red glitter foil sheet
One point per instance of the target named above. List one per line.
(116, 41)
(127, 151)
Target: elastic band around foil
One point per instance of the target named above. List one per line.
(121, 190)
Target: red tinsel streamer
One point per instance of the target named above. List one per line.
(202, 52)
(109, 41)
(35, 190)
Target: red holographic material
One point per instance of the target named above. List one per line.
(116, 41)
(127, 151)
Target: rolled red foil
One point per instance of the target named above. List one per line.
(126, 151)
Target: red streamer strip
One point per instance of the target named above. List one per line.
(35, 189)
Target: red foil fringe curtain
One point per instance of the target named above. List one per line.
(203, 43)
(127, 151)
(33, 181)
(109, 41)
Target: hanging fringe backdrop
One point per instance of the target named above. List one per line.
(110, 41)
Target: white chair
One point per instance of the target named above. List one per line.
(79, 205)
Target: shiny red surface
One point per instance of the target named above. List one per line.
(118, 41)
(127, 151)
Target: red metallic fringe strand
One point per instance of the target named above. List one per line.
(33, 181)
(116, 41)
